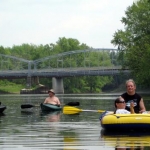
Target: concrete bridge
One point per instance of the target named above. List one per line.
(90, 62)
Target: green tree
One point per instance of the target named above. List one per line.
(134, 41)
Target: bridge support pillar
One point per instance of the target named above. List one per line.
(35, 80)
(28, 85)
(57, 85)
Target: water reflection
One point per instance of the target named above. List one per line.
(131, 148)
(126, 140)
(2, 114)
(27, 112)
(53, 116)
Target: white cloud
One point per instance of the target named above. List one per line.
(42, 22)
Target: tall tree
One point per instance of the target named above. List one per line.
(134, 40)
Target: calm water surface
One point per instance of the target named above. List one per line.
(30, 129)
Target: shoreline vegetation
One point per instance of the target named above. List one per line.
(41, 89)
(19, 89)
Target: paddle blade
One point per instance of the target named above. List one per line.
(71, 110)
(73, 104)
(26, 106)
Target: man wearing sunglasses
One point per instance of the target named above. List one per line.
(120, 107)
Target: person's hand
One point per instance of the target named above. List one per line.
(141, 111)
(132, 107)
(132, 104)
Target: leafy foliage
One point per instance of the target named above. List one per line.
(133, 42)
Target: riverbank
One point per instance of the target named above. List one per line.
(38, 90)
(41, 89)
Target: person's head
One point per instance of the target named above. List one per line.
(51, 92)
(130, 86)
(120, 103)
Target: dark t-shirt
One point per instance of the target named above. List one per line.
(132, 98)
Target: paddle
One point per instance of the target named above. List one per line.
(23, 106)
(74, 110)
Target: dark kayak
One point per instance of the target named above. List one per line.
(50, 107)
(2, 108)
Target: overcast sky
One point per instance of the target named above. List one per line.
(92, 22)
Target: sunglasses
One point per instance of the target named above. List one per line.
(121, 102)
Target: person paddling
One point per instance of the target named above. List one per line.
(52, 99)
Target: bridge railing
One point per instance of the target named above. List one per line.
(79, 60)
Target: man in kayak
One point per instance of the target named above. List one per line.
(52, 99)
(131, 96)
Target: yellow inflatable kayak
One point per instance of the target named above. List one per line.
(126, 122)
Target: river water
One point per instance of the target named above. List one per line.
(30, 129)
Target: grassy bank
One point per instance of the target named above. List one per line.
(9, 87)
(13, 88)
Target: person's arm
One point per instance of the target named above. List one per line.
(142, 106)
(45, 101)
(58, 102)
(132, 108)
